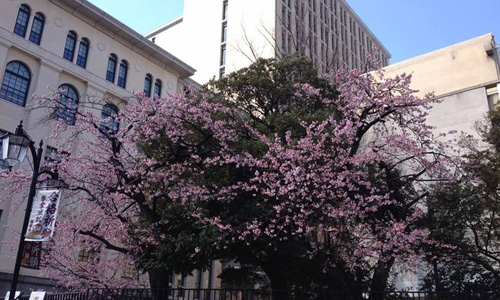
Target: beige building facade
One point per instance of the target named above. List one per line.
(466, 79)
(46, 45)
(222, 36)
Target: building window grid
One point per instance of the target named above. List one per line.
(223, 55)
(15, 84)
(37, 28)
(23, 17)
(69, 47)
(83, 52)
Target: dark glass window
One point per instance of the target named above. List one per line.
(158, 86)
(223, 55)
(23, 17)
(83, 52)
(222, 72)
(15, 84)
(109, 116)
(68, 100)
(224, 32)
(224, 10)
(148, 82)
(122, 74)
(69, 48)
(37, 28)
(110, 73)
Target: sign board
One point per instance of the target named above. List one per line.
(43, 216)
(37, 295)
(32, 254)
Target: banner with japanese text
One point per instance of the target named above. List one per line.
(43, 216)
(32, 254)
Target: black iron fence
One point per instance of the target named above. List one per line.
(254, 294)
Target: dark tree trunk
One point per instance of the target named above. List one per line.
(279, 285)
(159, 283)
(380, 278)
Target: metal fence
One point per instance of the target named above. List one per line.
(253, 294)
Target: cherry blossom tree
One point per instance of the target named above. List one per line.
(316, 180)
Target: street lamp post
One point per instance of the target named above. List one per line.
(15, 147)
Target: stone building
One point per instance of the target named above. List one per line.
(72, 45)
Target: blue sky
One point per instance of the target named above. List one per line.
(406, 27)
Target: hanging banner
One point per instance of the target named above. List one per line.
(43, 216)
(32, 254)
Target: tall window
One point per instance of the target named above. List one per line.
(157, 91)
(224, 32)
(69, 48)
(223, 55)
(109, 116)
(83, 52)
(110, 73)
(15, 84)
(148, 81)
(23, 17)
(224, 10)
(68, 101)
(122, 74)
(37, 28)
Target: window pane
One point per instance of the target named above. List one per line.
(83, 51)
(23, 17)
(15, 84)
(37, 29)
(147, 85)
(69, 48)
(109, 116)
(224, 32)
(122, 74)
(223, 56)
(68, 100)
(158, 88)
(110, 73)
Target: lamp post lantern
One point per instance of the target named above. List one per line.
(15, 148)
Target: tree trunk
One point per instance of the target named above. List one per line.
(159, 283)
(379, 280)
(279, 284)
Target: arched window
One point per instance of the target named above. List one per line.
(37, 28)
(83, 52)
(23, 17)
(68, 101)
(110, 73)
(109, 116)
(148, 82)
(15, 84)
(69, 47)
(122, 74)
(157, 91)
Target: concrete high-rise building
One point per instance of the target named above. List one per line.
(221, 36)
